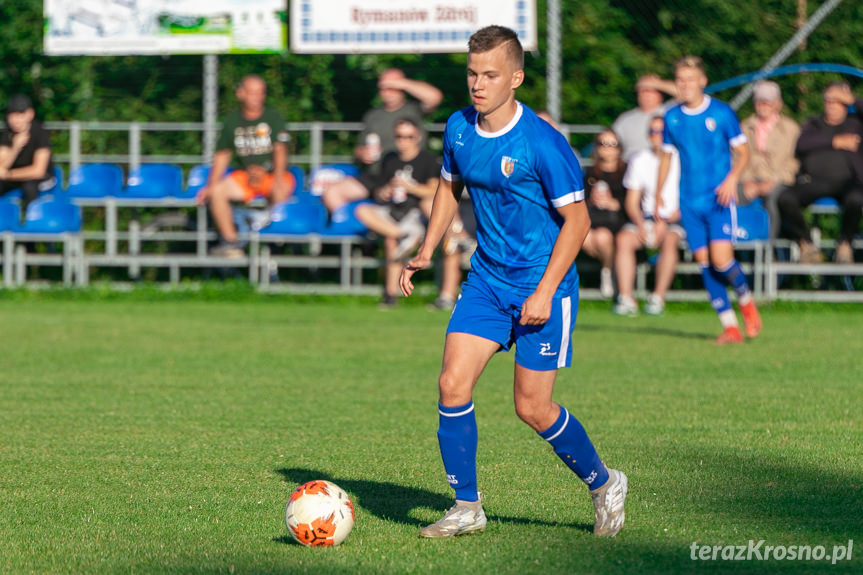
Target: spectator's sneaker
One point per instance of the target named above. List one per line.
(751, 319)
(625, 306)
(731, 335)
(414, 230)
(259, 219)
(655, 305)
(606, 283)
(463, 517)
(227, 250)
(608, 503)
(443, 302)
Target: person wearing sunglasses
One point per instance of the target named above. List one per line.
(605, 198)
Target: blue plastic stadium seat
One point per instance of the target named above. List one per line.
(344, 223)
(753, 224)
(9, 216)
(825, 206)
(50, 217)
(154, 181)
(299, 215)
(58, 182)
(330, 173)
(196, 180)
(299, 178)
(95, 181)
(17, 194)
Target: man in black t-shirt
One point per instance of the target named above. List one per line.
(25, 153)
(408, 181)
(831, 165)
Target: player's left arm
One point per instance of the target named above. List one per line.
(536, 309)
(727, 190)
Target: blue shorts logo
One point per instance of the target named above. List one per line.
(545, 349)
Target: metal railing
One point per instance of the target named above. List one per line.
(311, 136)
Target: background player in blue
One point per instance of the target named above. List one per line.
(707, 134)
(528, 197)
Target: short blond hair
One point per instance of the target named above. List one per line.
(491, 37)
(690, 62)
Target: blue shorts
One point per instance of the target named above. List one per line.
(702, 227)
(493, 314)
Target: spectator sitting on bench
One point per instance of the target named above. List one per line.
(830, 166)
(376, 140)
(771, 137)
(25, 153)
(255, 136)
(654, 223)
(409, 177)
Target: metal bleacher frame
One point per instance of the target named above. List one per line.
(346, 254)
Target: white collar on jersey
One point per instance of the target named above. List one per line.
(505, 129)
(698, 109)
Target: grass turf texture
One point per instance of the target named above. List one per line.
(165, 436)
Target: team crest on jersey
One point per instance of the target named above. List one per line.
(507, 165)
(710, 123)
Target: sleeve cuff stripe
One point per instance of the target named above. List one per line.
(449, 177)
(570, 198)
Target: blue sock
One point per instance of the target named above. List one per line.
(735, 277)
(571, 444)
(714, 283)
(457, 436)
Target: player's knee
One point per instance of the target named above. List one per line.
(453, 389)
(531, 412)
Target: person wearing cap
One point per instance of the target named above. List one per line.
(25, 153)
(831, 166)
(633, 125)
(771, 137)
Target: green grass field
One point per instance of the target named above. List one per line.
(164, 435)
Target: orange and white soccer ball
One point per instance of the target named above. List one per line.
(319, 513)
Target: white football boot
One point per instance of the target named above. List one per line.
(463, 517)
(608, 504)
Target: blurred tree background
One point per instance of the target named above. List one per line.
(606, 45)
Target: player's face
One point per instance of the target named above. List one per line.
(492, 78)
(690, 85)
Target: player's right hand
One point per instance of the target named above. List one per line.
(420, 262)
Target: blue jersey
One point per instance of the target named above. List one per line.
(704, 137)
(516, 178)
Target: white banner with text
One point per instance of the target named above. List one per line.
(403, 26)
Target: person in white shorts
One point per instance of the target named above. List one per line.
(652, 224)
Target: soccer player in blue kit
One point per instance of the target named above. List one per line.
(528, 197)
(705, 131)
